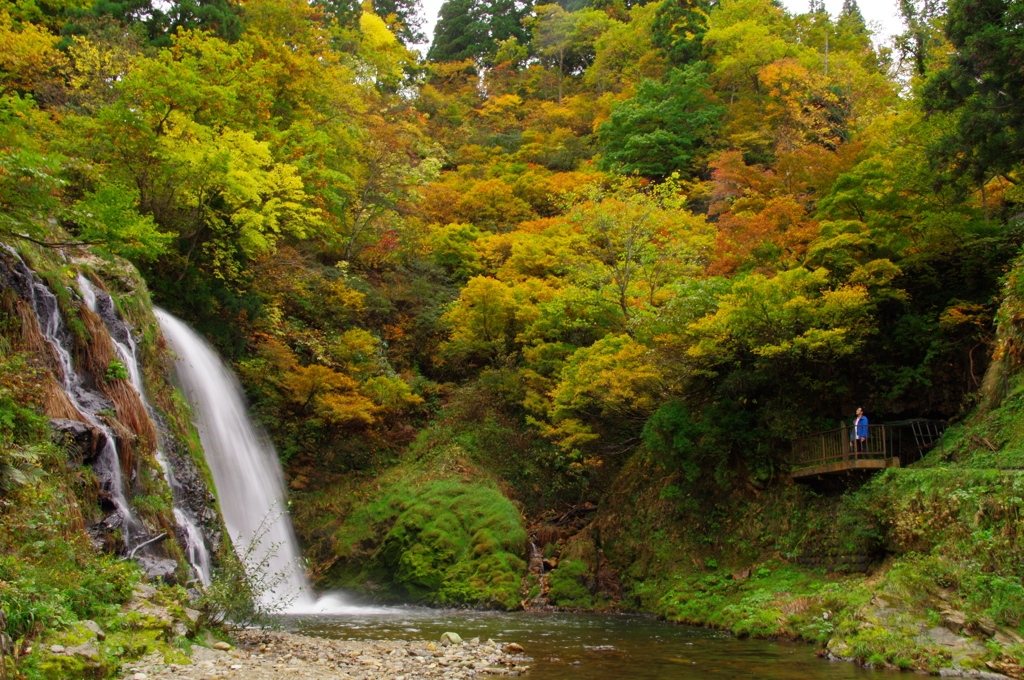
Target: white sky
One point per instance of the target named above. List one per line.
(881, 15)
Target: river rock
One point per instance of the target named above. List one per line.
(451, 639)
(953, 672)
(223, 646)
(271, 655)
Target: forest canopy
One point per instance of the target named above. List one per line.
(716, 218)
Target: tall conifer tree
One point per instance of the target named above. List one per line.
(406, 14)
(161, 21)
(982, 84)
(679, 29)
(473, 28)
(459, 32)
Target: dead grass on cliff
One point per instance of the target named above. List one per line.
(97, 357)
(56, 403)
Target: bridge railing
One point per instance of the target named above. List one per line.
(907, 440)
(836, 445)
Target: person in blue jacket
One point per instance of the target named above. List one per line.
(860, 432)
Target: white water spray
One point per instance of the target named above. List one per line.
(246, 472)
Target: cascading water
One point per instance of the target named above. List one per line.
(247, 474)
(103, 305)
(88, 402)
(244, 464)
(245, 470)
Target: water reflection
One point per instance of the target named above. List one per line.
(592, 646)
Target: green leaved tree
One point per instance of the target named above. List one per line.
(982, 87)
(664, 128)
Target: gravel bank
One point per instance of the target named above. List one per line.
(271, 655)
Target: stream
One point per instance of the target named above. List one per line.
(590, 646)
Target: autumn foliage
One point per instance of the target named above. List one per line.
(729, 209)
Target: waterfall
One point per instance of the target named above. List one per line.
(245, 468)
(88, 402)
(103, 305)
(246, 471)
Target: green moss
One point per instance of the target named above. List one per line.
(121, 645)
(51, 667)
(568, 586)
(435, 537)
(482, 423)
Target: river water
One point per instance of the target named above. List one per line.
(592, 646)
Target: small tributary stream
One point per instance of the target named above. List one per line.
(592, 646)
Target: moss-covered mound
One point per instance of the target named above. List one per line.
(436, 532)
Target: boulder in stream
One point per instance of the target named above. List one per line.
(451, 639)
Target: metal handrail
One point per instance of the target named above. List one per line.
(905, 441)
(835, 445)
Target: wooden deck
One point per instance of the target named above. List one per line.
(889, 445)
(835, 466)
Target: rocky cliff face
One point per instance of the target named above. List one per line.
(101, 368)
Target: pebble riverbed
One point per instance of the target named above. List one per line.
(272, 655)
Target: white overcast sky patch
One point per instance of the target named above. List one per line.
(881, 15)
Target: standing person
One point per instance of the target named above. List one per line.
(860, 433)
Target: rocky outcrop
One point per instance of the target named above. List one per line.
(92, 363)
(82, 442)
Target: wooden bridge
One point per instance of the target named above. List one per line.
(888, 445)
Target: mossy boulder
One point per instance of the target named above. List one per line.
(424, 539)
(568, 586)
